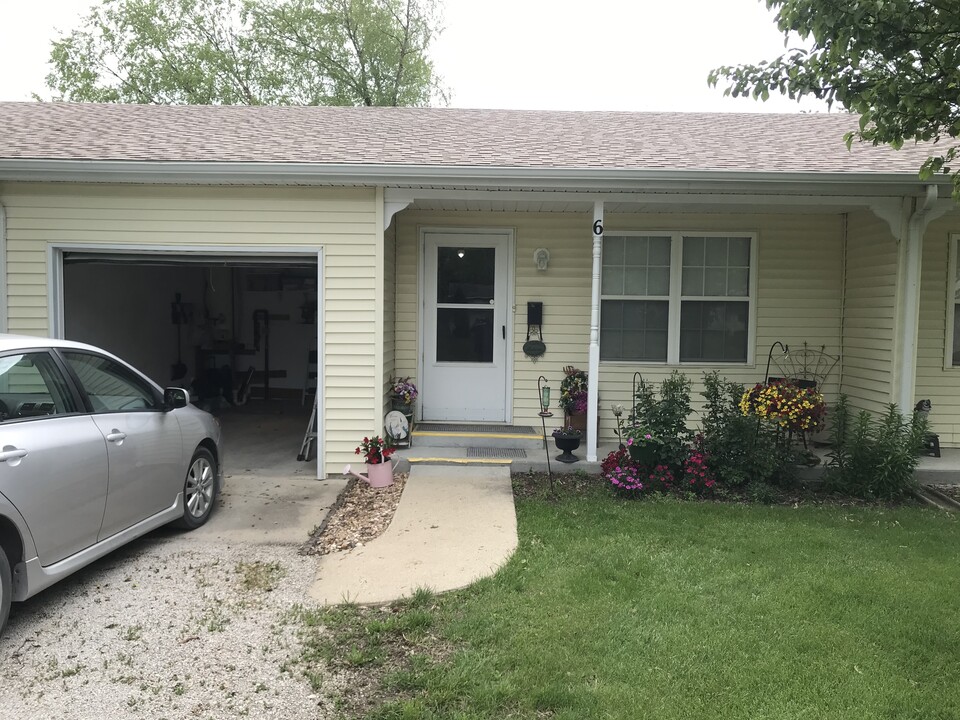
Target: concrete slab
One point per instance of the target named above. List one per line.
(269, 510)
(263, 438)
(269, 497)
(453, 525)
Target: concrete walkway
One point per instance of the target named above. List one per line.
(453, 525)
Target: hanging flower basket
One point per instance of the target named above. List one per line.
(643, 447)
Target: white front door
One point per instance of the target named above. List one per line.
(466, 324)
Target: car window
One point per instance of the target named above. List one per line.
(32, 386)
(110, 386)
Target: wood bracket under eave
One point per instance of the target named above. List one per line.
(392, 205)
(896, 214)
(893, 213)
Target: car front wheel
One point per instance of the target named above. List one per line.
(199, 489)
(6, 589)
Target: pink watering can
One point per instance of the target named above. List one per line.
(378, 475)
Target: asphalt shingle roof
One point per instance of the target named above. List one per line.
(442, 137)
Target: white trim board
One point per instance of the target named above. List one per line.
(461, 177)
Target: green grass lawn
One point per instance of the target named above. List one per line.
(672, 609)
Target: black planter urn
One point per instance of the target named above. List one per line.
(567, 443)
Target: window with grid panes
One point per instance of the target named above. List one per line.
(676, 298)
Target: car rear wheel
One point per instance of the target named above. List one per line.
(199, 489)
(6, 589)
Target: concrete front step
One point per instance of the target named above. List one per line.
(526, 441)
(520, 448)
(532, 459)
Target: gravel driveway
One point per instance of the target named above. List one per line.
(167, 627)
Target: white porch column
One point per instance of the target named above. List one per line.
(593, 378)
(909, 331)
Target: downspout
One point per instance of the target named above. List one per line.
(593, 373)
(916, 226)
(3, 269)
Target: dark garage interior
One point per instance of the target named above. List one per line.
(240, 334)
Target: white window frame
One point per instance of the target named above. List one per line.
(676, 297)
(951, 286)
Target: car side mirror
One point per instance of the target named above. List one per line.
(174, 397)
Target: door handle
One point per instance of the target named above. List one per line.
(12, 453)
(116, 436)
(503, 329)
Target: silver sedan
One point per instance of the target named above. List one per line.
(92, 455)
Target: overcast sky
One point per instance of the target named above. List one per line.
(524, 54)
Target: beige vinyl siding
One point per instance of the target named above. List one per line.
(870, 309)
(343, 221)
(799, 292)
(937, 380)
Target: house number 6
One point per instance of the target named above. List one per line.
(598, 227)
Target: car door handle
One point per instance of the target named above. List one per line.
(116, 436)
(12, 453)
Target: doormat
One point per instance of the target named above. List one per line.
(486, 452)
(448, 427)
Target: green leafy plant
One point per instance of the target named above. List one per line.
(738, 450)
(893, 62)
(250, 52)
(664, 418)
(874, 458)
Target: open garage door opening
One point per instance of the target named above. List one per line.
(240, 333)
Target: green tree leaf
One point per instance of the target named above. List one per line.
(896, 62)
(250, 52)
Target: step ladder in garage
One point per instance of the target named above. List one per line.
(310, 436)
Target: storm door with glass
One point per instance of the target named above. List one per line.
(465, 327)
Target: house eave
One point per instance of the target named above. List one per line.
(481, 178)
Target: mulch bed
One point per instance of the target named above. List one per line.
(360, 514)
(952, 491)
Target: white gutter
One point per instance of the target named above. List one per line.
(3, 269)
(189, 172)
(916, 226)
(593, 371)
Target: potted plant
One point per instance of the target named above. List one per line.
(788, 406)
(403, 394)
(644, 447)
(567, 440)
(573, 398)
(376, 453)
